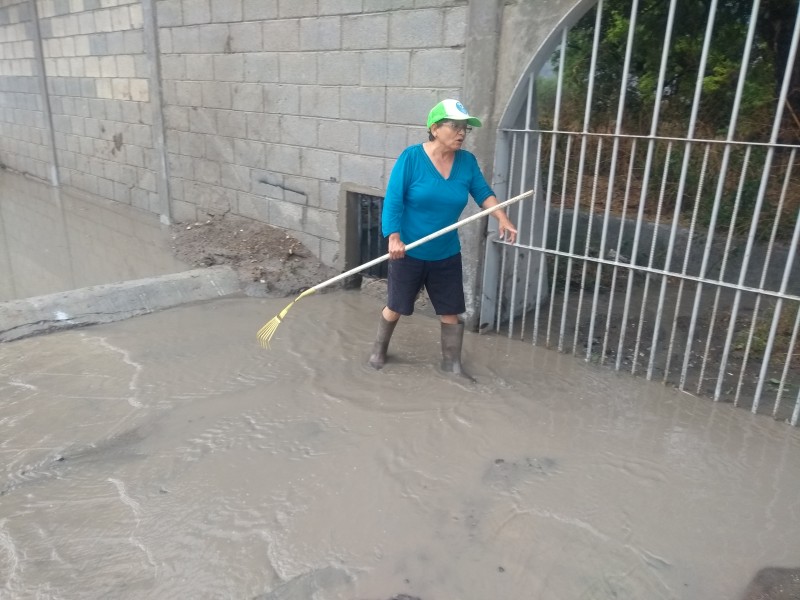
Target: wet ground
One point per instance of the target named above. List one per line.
(170, 456)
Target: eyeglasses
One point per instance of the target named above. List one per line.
(458, 126)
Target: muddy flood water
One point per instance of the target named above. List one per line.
(169, 456)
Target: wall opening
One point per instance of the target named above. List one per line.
(365, 240)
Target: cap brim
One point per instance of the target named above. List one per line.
(474, 122)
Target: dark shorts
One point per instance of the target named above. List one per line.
(443, 280)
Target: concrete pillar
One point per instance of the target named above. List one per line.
(150, 26)
(45, 95)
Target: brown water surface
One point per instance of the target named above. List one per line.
(169, 456)
(52, 241)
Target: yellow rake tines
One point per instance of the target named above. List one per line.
(265, 334)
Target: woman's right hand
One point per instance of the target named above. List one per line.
(397, 249)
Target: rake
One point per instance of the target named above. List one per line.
(267, 331)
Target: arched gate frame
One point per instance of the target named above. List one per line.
(661, 250)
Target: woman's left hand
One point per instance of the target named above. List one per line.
(507, 231)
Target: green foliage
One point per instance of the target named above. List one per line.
(674, 100)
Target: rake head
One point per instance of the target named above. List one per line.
(265, 334)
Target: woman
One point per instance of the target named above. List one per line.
(428, 189)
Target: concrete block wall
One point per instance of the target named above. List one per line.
(270, 109)
(23, 139)
(274, 108)
(98, 87)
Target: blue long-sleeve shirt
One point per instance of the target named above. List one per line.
(419, 201)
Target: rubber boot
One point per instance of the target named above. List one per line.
(385, 329)
(452, 340)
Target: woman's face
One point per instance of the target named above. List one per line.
(451, 134)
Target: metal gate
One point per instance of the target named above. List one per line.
(661, 143)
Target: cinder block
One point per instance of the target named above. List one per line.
(249, 153)
(437, 67)
(416, 29)
(321, 223)
(232, 123)
(385, 68)
(199, 67)
(203, 120)
(284, 159)
(236, 177)
(229, 67)
(246, 37)
(339, 68)
(217, 95)
(411, 107)
(285, 214)
(263, 127)
(339, 7)
(259, 10)
(219, 149)
(363, 170)
(363, 104)
(319, 164)
(140, 90)
(386, 5)
(282, 99)
(226, 11)
(317, 101)
(207, 171)
(125, 66)
(169, 13)
(196, 12)
(248, 97)
(298, 131)
(121, 18)
(298, 67)
(297, 8)
(282, 35)
(455, 26)
(261, 67)
(254, 206)
(338, 135)
(321, 33)
(364, 32)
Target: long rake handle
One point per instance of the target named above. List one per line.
(421, 241)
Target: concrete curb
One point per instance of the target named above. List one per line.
(113, 302)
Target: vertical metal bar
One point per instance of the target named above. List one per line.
(590, 218)
(549, 194)
(765, 173)
(796, 412)
(617, 259)
(360, 227)
(623, 89)
(787, 362)
(558, 234)
(698, 91)
(641, 324)
(685, 268)
(737, 99)
(501, 278)
(761, 285)
(726, 253)
(522, 179)
(532, 228)
(579, 184)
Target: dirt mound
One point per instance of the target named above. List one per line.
(269, 261)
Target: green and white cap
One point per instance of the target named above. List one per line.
(451, 109)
